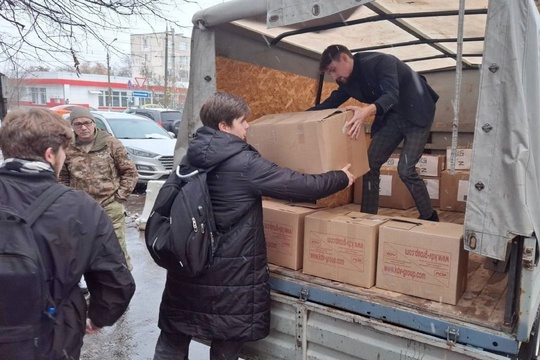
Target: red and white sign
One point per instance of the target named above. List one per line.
(140, 82)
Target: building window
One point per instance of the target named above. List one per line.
(184, 75)
(184, 60)
(145, 41)
(39, 95)
(183, 45)
(118, 98)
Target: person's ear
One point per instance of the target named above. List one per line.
(49, 155)
(222, 126)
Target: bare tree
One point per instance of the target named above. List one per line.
(61, 28)
(123, 68)
(86, 68)
(19, 75)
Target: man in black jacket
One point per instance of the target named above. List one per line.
(229, 304)
(75, 237)
(404, 107)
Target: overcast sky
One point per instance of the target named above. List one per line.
(122, 44)
(94, 51)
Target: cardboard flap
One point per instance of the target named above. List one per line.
(333, 112)
(403, 224)
(306, 205)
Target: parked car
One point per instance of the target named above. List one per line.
(164, 117)
(66, 108)
(149, 145)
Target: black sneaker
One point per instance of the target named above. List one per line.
(434, 217)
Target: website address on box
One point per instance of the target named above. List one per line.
(404, 272)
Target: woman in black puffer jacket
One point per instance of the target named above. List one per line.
(230, 303)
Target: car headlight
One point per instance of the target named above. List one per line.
(141, 153)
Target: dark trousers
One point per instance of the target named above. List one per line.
(176, 347)
(383, 144)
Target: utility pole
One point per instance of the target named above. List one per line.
(173, 73)
(165, 90)
(109, 95)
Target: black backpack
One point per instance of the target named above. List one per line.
(180, 232)
(26, 306)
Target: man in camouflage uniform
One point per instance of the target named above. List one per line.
(98, 163)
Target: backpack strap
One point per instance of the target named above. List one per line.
(30, 215)
(42, 203)
(194, 172)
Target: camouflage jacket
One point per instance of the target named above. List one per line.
(105, 172)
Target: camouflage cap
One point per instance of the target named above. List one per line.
(80, 112)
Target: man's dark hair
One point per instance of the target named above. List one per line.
(332, 53)
(222, 107)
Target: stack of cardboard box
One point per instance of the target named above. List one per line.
(409, 256)
(338, 242)
(392, 191)
(455, 187)
(430, 170)
(311, 142)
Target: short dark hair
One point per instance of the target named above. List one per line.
(27, 134)
(222, 107)
(332, 53)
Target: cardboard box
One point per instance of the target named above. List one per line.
(422, 258)
(284, 232)
(342, 245)
(431, 165)
(433, 185)
(463, 158)
(311, 142)
(342, 197)
(454, 190)
(392, 191)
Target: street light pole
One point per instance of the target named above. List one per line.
(109, 95)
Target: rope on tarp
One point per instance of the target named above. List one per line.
(457, 90)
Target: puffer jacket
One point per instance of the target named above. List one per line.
(105, 172)
(231, 300)
(77, 237)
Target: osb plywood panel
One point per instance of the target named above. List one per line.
(269, 91)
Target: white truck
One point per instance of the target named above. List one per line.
(483, 60)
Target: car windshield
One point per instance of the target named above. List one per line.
(171, 115)
(137, 129)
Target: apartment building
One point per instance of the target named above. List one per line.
(161, 58)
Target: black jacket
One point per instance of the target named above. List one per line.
(390, 84)
(77, 237)
(231, 300)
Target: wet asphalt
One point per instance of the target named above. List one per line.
(134, 336)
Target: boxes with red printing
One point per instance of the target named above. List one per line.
(284, 232)
(341, 245)
(422, 258)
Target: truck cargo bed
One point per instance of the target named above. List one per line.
(482, 303)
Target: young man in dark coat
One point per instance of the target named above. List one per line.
(404, 107)
(75, 237)
(229, 304)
